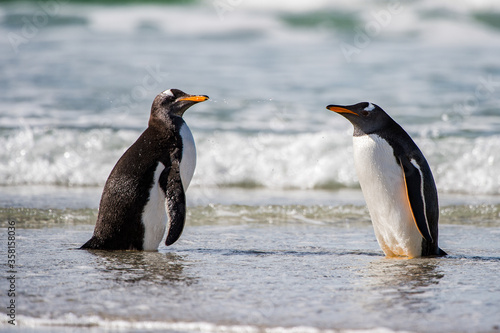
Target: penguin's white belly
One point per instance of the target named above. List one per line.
(382, 182)
(154, 215)
(188, 161)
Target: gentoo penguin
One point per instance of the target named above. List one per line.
(144, 194)
(396, 181)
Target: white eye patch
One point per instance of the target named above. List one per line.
(168, 93)
(370, 107)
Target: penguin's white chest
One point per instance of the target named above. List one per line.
(382, 182)
(188, 161)
(154, 215)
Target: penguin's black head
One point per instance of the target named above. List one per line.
(174, 102)
(365, 117)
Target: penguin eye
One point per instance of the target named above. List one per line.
(365, 113)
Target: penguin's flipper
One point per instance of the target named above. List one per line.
(414, 182)
(175, 201)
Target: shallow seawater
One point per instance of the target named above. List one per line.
(253, 268)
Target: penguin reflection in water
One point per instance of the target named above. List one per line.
(144, 194)
(396, 181)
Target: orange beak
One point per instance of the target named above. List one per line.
(195, 98)
(339, 109)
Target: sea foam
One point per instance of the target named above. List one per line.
(268, 160)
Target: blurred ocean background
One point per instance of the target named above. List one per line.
(277, 237)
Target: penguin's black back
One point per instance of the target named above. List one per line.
(405, 149)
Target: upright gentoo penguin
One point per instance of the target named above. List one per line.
(145, 190)
(396, 181)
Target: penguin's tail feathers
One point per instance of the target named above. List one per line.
(441, 252)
